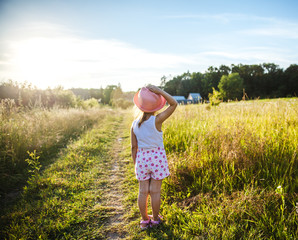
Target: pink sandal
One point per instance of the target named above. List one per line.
(155, 223)
(147, 222)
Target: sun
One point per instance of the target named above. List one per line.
(40, 61)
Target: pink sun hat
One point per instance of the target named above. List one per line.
(148, 101)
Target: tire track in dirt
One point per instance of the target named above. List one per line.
(115, 224)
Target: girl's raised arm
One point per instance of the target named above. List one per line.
(161, 117)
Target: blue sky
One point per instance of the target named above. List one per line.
(91, 44)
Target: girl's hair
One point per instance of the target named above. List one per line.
(138, 114)
(143, 118)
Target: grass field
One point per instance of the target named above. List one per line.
(233, 176)
(233, 172)
(65, 200)
(45, 131)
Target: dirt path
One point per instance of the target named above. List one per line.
(113, 192)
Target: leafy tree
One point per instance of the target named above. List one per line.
(291, 80)
(107, 93)
(120, 99)
(196, 82)
(95, 93)
(172, 85)
(163, 81)
(252, 78)
(211, 79)
(64, 98)
(224, 70)
(117, 92)
(231, 86)
(82, 93)
(215, 97)
(184, 86)
(271, 80)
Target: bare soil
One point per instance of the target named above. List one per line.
(114, 226)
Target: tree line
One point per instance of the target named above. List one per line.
(25, 95)
(265, 80)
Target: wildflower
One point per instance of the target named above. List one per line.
(279, 190)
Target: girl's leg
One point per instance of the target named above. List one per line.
(143, 197)
(155, 186)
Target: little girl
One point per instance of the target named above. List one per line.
(147, 149)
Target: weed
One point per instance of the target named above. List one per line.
(34, 169)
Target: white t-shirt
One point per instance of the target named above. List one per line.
(147, 134)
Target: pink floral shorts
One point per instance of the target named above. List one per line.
(151, 163)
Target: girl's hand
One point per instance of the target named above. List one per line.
(154, 89)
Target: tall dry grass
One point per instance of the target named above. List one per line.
(255, 137)
(45, 131)
(237, 163)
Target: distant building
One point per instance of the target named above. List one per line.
(180, 99)
(194, 97)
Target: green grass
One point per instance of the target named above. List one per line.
(241, 144)
(45, 131)
(65, 200)
(233, 176)
(233, 173)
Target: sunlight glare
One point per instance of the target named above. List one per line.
(73, 62)
(40, 61)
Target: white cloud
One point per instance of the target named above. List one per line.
(265, 26)
(71, 61)
(78, 62)
(287, 32)
(50, 55)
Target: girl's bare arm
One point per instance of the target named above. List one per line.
(161, 117)
(134, 146)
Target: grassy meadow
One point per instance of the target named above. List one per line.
(234, 170)
(45, 131)
(65, 200)
(233, 173)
